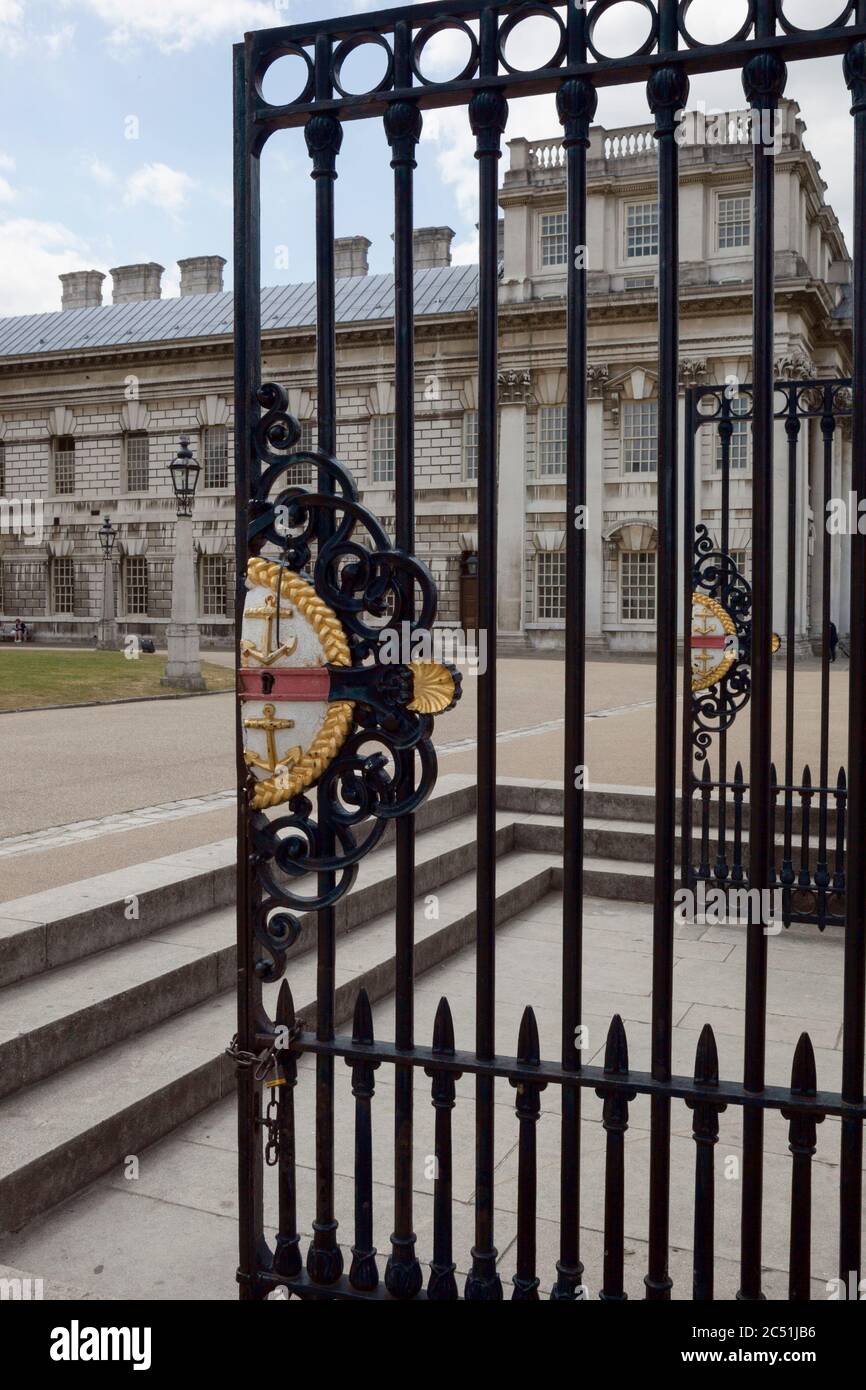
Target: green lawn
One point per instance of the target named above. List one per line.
(36, 676)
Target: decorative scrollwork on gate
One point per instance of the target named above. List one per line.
(721, 642)
(335, 729)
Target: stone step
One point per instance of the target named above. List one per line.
(80, 1122)
(54, 928)
(72, 1011)
(634, 841)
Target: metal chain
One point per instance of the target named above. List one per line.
(262, 1061)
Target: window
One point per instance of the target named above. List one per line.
(637, 581)
(640, 436)
(135, 584)
(554, 249)
(735, 221)
(63, 585)
(551, 439)
(213, 586)
(216, 456)
(743, 561)
(303, 474)
(641, 230)
(470, 444)
(137, 462)
(739, 454)
(550, 586)
(64, 464)
(382, 451)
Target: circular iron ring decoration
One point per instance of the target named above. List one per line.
(791, 28)
(529, 11)
(288, 50)
(423, 37)
(601, 8)
(692, 42)
(348, 46)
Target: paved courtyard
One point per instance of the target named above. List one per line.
(85, 770)
(171, 1232)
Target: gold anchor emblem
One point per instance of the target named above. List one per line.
(271, 727)
(270, 654)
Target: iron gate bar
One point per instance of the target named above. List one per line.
(576, 106)
(321, 109)
(822, 871)
(403, 120)
(792, 432)
(247, 348)
(455, 1063)
(854, 1014)
(488, 114)
(324, 135)
(764, 78)
(667, 94)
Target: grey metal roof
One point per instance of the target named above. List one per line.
(360, 299)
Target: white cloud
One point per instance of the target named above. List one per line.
(58, 40)
(160, 186)
(7, 192)
(98, 170)
(177, 25)
(11, 14)
(32, 255)
(17, 38)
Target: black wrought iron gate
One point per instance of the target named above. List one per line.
(807, 864)
(318, 556)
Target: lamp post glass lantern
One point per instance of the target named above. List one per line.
(107, 536)
(183, 668)
(106, 632)
(184, 477)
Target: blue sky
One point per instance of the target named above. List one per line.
(115, 139)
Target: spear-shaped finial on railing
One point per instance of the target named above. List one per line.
(528, 1108)
(287, 1254)
(615, 1121)
(802, 1142)
(705, 1132)
(364, 1272)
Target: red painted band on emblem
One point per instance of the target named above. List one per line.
(284, 683)
(698, 642)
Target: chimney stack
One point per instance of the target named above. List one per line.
(82, 289)
(201, 275)
(135, 282)
(432, 246)
(350, 256)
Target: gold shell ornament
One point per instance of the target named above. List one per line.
(433, 687)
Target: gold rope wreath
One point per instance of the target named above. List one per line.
(715, 610)
(338, 719)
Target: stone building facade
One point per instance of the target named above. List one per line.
(94, 397)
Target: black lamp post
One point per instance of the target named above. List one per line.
(107, 536)
(184, 477)
(106, 637)
(183, 667)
